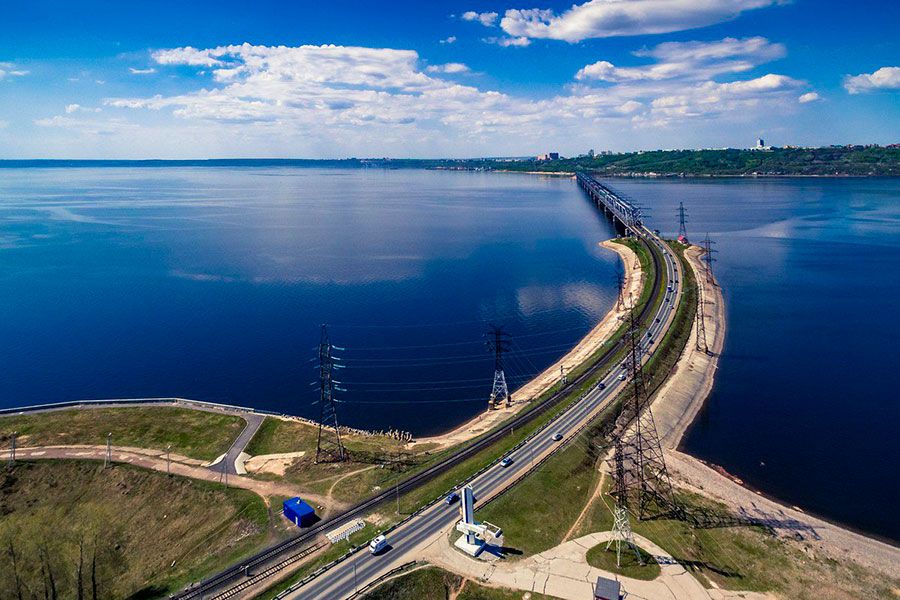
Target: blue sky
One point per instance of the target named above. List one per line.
(426, 79)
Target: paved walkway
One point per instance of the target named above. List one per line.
(563, 572)
(235, 457)
(178, 465)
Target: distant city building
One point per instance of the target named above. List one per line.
(548, 156)
(761, 145)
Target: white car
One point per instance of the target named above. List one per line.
(378, 544)
(621, 376)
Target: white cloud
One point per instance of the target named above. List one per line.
(134, 71)
(74, 108)
(449, 68)
(508, 42)
(488, 19)
(690, 60)
(370, 101)
(8, 69)
(885, 78)
(607, 18)
(808, 97)
(91, 126)
(449, 40)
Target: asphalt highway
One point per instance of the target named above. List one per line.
(407, 542)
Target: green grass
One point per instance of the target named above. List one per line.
(421, 584)
(194, 433)
(151, 533)
(432, 583)
(601, 558)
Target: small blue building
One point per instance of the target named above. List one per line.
(299, 512)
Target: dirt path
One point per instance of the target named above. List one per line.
(178, 465)
(329, 496)
(588, 505)
(634, 282)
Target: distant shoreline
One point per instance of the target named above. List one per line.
(426, 165)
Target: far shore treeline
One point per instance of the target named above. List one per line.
(830, 161)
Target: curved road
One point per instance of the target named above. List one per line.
(408, 540)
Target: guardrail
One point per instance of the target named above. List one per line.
(378, 581)
(423, 477)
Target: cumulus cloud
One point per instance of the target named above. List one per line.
(488, 19)
(449, 40)
(608, 18)
(449, 68)
(885, 78)
(508, 42)
(74, 108)
(8, 70)
(385, 98)
(692, 60)
(148, 71)
(808, 97)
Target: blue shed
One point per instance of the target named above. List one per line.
(299, 512)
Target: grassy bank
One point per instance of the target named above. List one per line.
(432, 583)
(150, 533)
(193, 433)
(537, 514)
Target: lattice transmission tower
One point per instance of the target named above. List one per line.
(702, 344)
(498, 344)
(708, 259)
(642, 470)
(622, 534)
(682, 222)
(329, 447)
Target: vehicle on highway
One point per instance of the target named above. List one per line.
(378, 544)
(621, 376)
(657, 319)
(451, 498)
(506, 462)
(556, 437)
(601, 386)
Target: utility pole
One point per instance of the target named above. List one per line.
(108, 458)
(682, 220)
(329, 447)
(702, 345)
(622, 534)
(12, 450)
(641, 466)
(708, 257)
(168, 450)
(498, 344)
(620, 295)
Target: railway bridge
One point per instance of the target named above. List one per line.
(625, 214)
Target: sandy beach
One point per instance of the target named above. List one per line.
(674, 408)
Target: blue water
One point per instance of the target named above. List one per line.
(211, 283)
(806, 404)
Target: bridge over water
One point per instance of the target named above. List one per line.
(625, 214)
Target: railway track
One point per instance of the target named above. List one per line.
(283, 554)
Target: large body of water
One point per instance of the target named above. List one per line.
(211, 284)
(806, 404)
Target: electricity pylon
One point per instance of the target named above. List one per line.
(682, 221)
(498, 345)
(643, 467)
(329, 447)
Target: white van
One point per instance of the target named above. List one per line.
(378, 544)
